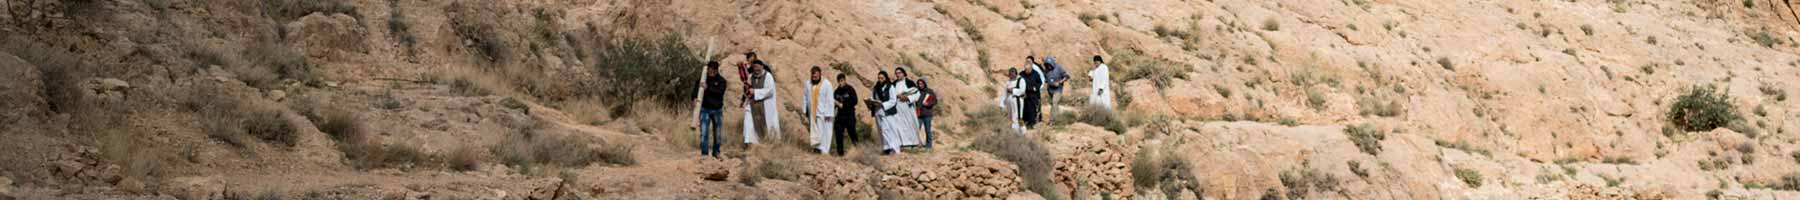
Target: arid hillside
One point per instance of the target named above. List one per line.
(1218, 99)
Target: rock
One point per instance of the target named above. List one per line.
(321, 34)
(131, 185)
(109, 89)
(21, 92)
(194, 187)
(5, 186)
(962, 175)
(277, 95)
(714, 174)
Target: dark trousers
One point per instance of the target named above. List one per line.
(925, 124)
(842, 132)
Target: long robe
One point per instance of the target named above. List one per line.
(1015, 101)
(1101, 92)
(770, 121)
(824, 107)
(901, 128)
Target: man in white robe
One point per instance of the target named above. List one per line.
(821, 108)
(1101, 92)
(764, 93)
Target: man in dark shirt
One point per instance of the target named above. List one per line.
(927, 102)
(843, 128)
(712, 98)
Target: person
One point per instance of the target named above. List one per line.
(1034, 85)
(766, 103)
(844, 125)
(1056, 76)
(899, 117)
(712, 98)
(821, 107)
(878, 95)
(746, 101)
(1101, 94)
(1014, 99)
(927, 102)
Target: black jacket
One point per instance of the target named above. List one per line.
(713, 97)
(846, 95)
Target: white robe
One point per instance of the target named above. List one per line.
(823, 107)
(902, 128)
(1101, 92)
(771, 109)
(1015, 100)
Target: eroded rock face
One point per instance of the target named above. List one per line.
(320, 34)
(1092, 160)
(960, 175)
(19, 91)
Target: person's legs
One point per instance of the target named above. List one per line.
(706, 132)
(838, 132)
(717, 120)
(925, 123)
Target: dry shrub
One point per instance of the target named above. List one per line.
(342, 126)
(58, 70)
(1100, 116)
(369, 154)
(1033, 159)
(1166, 170)
(283, 11)
(1307, 181)
(1366, 138)
(466, 158)
(567, 150)
(283, 62)
(269, 125)
(234, 120)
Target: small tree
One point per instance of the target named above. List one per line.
(662, 70)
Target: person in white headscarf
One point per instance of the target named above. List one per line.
(821, 108)
(902, 126)
(1101, 92)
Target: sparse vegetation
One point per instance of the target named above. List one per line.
(1764, 38)
(1469, 176)
(567, 150)
(1702, 109)
(1619, 160)
(1306, 181)
(662, 70)
(1445, 62)
(1271, 25)
(1366, 138)
(1100, 116)
(1463, 146)
(1135, 66)
(1372, 106)
(285, 61)
(1033, 159)
(283, 11)
(1357, 168)
(1315, 100)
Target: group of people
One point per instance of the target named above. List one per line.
(902, 106)
(1027, 90)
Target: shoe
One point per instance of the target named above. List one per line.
(887, 152)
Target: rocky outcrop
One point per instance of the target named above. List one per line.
(959, 175)
(19, 91)
(1092, 160)
(320, 34)
(835, 178)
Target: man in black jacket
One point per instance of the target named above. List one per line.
(843, 128)
(1034, 84)
(712, 98)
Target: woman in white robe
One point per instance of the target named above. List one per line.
(902, 128)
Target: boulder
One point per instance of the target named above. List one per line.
(321, 34)
(19, 91)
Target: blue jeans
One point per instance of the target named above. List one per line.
(709, 132)
(926, 123)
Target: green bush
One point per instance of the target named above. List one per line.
(1702, 109)
(1366, 138)
(1034, 161)
(663, 70)
(1468, 176)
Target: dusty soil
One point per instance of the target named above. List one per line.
(1472, 99)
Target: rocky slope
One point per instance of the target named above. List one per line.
(1356, 99)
